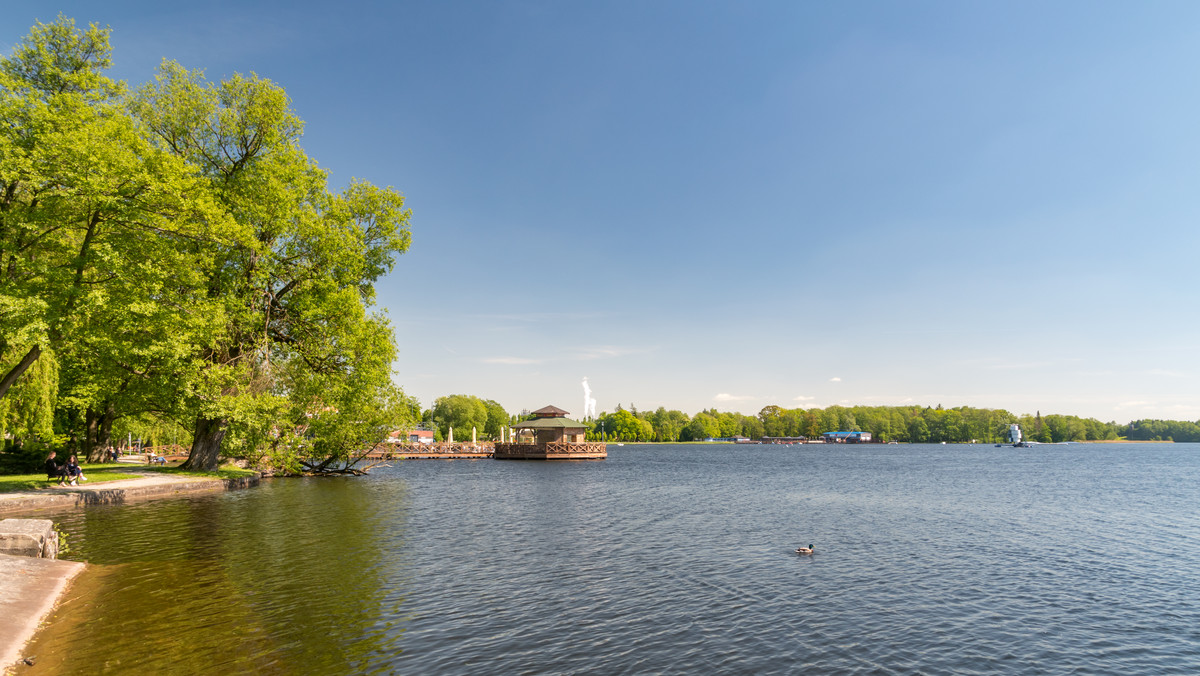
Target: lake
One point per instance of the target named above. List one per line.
(931, 559)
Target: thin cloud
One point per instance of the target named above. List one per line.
(803, 398)
(511, 361)
(1135, 404)
(1019, 366)
(538, 317)
(835, 379)
(725, 396)
(605, 352)
(1164, 372)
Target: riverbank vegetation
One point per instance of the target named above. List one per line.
(171, 259)
(913, 424)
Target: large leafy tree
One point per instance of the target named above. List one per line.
(98, 232)
(497, 419)
(292, 277)
(334, 420)
(462, 412)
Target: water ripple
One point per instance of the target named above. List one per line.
(930, 560)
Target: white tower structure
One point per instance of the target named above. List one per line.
(1014, 434)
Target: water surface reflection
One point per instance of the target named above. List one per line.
(286, 578)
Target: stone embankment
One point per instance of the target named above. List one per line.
(31, 578)
(148, 487)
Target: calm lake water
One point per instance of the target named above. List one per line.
(668, 559)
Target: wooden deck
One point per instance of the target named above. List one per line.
(441, 451)
(555, 450)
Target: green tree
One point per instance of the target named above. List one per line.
(752, 427)
(667, 425)
(292, 273)
(91, 214)
(461, 412)
(625, 426)
(497, 418)
(703, 426)
(338, 417)
(772, 420)
(28, 412)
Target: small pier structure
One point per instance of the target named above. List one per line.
(550, 435)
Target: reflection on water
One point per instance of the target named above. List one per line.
(930, 559)
(286, 578)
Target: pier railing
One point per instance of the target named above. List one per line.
(551, 448)
(440, 448)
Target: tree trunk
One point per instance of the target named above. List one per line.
(205, 455)
(92, 427)
(99, 433)
(20, 368)
(105, 438)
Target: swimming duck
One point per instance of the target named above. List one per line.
(803, 551)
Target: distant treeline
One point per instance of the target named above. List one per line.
(916, 424)
(885, 423)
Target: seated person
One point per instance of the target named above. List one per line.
(74, 471)
(55, 470)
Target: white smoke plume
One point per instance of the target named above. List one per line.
(589, 404)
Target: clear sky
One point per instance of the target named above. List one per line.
(735, 204)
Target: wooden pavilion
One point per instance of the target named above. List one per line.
(550, 435)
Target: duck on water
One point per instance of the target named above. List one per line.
(804, 551)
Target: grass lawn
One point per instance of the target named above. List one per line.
(96, 473)
(227, 472)
(101, 472)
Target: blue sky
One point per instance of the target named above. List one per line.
(718, 204)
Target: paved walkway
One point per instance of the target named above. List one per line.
(29, 588)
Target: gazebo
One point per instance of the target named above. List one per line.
(550, 435)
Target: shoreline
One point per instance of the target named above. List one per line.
(147, 487)
(31, 588)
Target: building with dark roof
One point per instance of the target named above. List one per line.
(550, 435)
(847, 437)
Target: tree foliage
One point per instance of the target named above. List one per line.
(179, 255)
(930, 424)
(465, 412)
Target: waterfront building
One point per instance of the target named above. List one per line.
(847, 437)
(550, 435)
(418, 435)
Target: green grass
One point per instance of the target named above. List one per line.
(96, 473)
(227, 472)
(101, 472)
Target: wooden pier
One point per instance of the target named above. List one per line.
(554, 450)
(550, 435)
(442, 451)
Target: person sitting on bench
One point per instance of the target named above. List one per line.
(55, 470)
(74, 471)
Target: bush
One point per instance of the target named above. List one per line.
(28, 458)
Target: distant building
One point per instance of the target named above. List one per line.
(847, 437)
(550, 435)
(419, 435)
